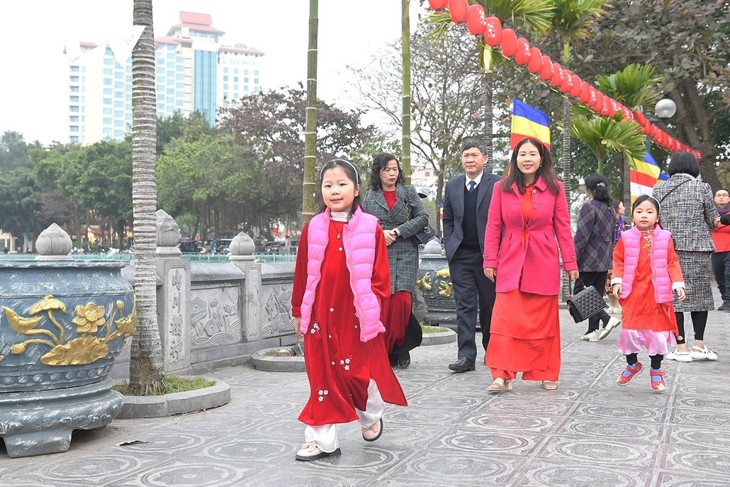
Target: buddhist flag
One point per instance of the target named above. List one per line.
(528, 121)
(645, 176)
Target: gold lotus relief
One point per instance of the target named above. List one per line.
(446, 289)
(94, 329)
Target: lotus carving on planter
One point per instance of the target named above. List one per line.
(94, 330)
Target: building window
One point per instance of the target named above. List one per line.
(74, 139)
(74, 89)
(74, 109)
(74, 118)
(74, 69)
(108, 92)
(74, 128)
(74, 99)
(107, 111)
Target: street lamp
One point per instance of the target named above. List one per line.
(665, 108)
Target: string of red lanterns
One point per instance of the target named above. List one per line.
(490, 29)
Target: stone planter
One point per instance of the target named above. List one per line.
(62, 323)
(434, 281)
(439, 338)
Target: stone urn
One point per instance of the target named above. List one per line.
(62, 323)
(434, 282)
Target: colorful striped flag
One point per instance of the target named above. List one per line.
(645, 176)
(528, 121)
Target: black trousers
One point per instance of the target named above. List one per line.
(471, 286)
(597, 280)
(721, 269)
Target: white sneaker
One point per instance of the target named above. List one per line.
(310, 451)
(702, 354)
(612, 323)
(590, 337)
(679, 355)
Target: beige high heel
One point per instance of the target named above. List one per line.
(549, 385)
(499, 385)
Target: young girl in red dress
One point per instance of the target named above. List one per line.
(645, 273)
(341, 277)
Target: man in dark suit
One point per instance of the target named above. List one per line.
(466, 205)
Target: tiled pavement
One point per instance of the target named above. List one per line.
(590, 432)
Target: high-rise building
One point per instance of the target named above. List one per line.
(195, 72)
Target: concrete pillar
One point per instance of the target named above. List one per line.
(242, 249)
(173, 296)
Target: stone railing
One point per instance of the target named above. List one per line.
(212, 315)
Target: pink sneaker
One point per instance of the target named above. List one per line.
(624, 379)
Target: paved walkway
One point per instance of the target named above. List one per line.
(590, 432)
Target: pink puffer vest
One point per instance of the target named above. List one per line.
(358, 240)
(658, 255)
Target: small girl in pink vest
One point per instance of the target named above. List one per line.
(645, 273)
(340, 279)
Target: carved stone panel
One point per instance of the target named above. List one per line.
(276, 319)
(215, 314)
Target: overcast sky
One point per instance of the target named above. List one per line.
(33, 88)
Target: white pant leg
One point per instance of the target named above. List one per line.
(325, 436)
(373, 408)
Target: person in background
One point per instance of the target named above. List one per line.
(340, 278)
(618, 206)
(646, 273)
(466, 206)
(721, 258)
(528, 222)
(401, 214)
(593, 241)
(688, 213)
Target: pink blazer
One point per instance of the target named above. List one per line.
(536, 268)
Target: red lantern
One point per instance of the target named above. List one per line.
(598, 105)
(567, 83)
(546, 72)
(557, 78)
(628, 115)
(592, 96)
(575, 90)
(522, 54)
(476, 21)
(438, 5)
(585, 92)
(535, 64)
(509, 42)
(458, 10)
(493, 31)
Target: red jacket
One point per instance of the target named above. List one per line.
(721, 238)
(535, 269)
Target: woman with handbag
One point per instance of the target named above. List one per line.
(689, 213)
(528, 221)
(593, 240)
(402, 215)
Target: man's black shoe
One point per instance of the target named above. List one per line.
(462, 365)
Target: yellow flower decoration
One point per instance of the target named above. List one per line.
(128, 325)
(88, 318)
(79, 351)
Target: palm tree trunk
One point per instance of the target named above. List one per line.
(406, 66)
(309, 185)
(145, 368)
(488, 118)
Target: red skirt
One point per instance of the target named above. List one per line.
(395, 313)
(525, 337)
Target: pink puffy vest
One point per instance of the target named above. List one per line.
(358, 240)
(658, 255)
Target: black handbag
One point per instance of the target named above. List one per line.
(423, 237)
(586, 303)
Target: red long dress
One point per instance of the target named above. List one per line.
(340, 366)
(525, 331)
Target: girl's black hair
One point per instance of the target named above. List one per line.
(641, 199)
(546, 169)
(352, 175)
(379, 162)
